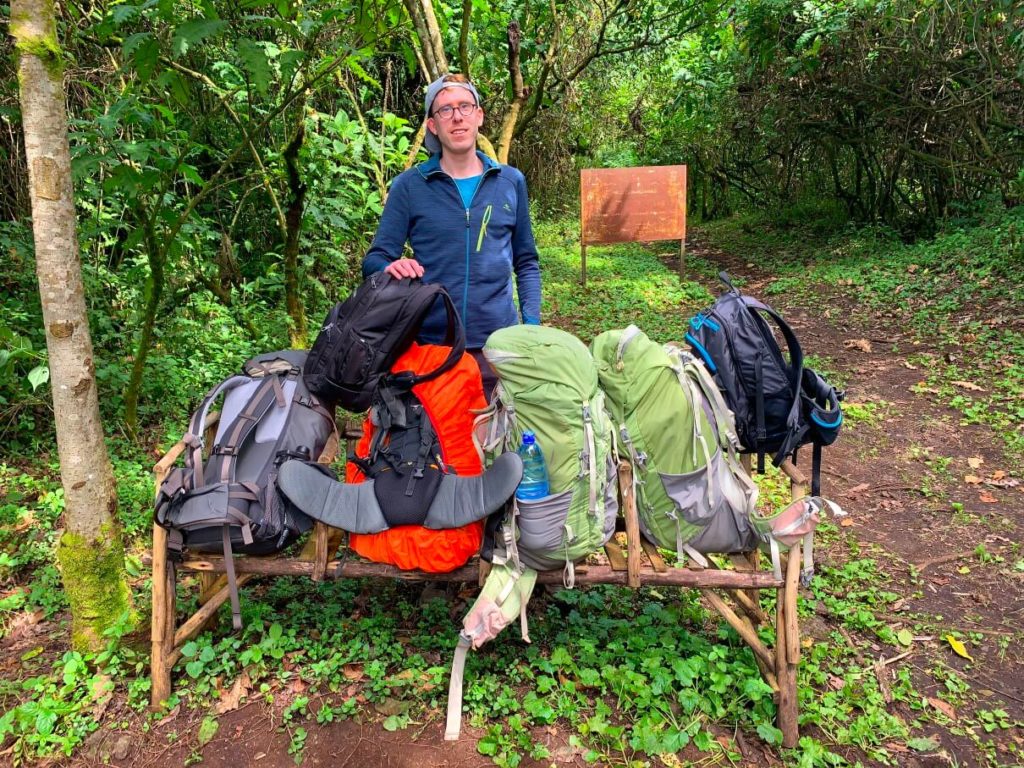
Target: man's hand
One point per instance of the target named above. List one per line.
(404, 268)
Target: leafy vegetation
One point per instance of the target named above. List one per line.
(230, 163)
(631, 675)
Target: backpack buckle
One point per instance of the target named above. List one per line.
(225, 450)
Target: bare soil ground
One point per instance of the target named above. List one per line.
(896, 476)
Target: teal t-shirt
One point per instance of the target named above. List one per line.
(467, 187)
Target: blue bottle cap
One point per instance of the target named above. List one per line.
(529, 438)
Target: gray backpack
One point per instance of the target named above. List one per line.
(230, 502)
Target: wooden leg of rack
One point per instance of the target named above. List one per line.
(785, 671)
(321, 553)
(792, 621)
(633, 546)
(162, 626)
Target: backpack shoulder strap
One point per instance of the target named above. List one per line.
(796, 354)
(796, 375)
(455, 337)
(267, 394)
(193, 438)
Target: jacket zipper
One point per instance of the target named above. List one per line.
(469, 243)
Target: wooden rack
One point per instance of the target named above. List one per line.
(733, 594)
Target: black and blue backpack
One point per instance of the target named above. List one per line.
(779, 404)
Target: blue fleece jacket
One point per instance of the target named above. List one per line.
(472, 251)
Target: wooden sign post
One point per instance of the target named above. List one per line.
(630, 205)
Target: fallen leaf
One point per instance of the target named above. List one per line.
(229, 699)
(352, 671)
(988, 498)
(862, 344)
(944, 707)
(998, 474)
(974, 462)
(972, 480)
(100, 686)
(927, 744)
(101, 691)
(968, 385)
(958, 648)
(858, 489)
(908, 365)
(846, 522)
(836, 683)
(173, 713)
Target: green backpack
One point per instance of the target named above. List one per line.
(692, 493)
(547, 383)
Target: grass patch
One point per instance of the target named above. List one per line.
(625, 284)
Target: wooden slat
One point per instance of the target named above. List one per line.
(615, 555)
(744, 630)
(585, 574)
(657, 562)
(792, 628)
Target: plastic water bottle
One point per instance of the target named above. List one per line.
(534, 484)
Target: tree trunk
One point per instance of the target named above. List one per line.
(293, 217)
(157, 256)
(515, 75)
(90, 553)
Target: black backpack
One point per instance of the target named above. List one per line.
(779, 405)
(230, 502)
(364, 335)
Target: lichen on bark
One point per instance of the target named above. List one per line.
(93, 576)
(44, 46)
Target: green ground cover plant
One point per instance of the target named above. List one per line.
(631, 675)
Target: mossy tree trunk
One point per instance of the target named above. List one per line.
(90, 553)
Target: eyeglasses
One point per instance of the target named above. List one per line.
(445, 113)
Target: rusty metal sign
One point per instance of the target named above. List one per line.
(622, 205)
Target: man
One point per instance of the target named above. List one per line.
(467, 219)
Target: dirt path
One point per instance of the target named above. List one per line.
(935, 502)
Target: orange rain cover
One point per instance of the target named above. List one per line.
(447, 401)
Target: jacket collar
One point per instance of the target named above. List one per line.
(432, 166)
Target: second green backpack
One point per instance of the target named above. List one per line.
(547, 383)
(692, 494)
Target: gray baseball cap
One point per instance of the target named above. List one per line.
(430, 140)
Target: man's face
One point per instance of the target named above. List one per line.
(457, 133)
